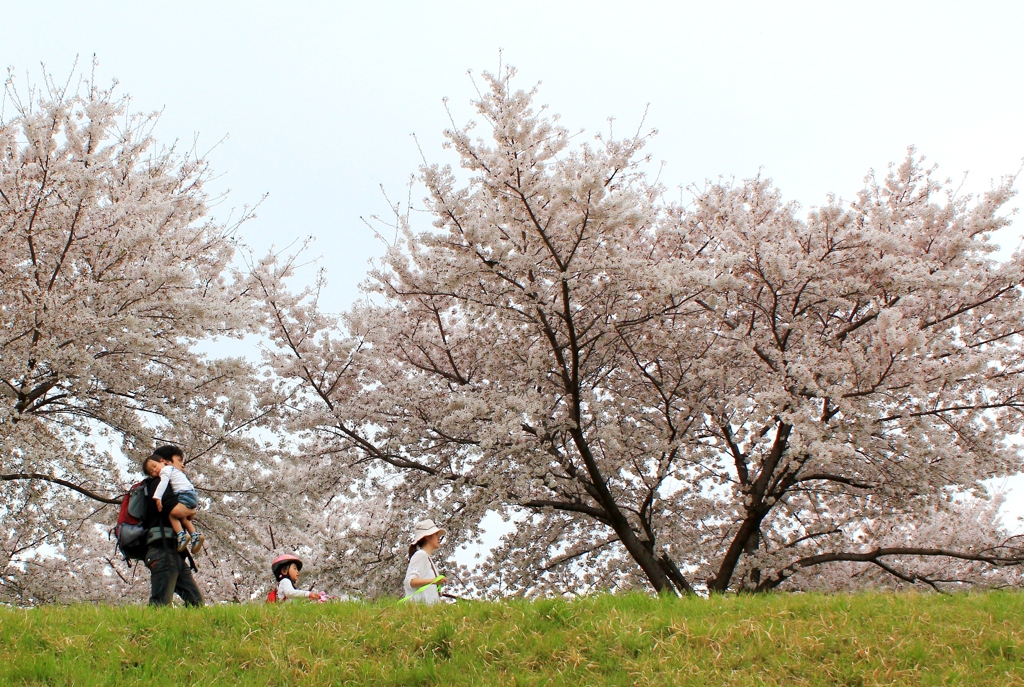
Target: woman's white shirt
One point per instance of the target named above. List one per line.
(421, 566)
(286, 590)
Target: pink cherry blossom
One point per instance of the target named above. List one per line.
(720, 394)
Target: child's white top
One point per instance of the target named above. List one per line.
(421, 566)
(176, 478)
(286, 590)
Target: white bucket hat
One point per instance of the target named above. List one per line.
(425, 528)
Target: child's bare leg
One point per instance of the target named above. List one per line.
(175, 522)
(197, 539)
(184, 516)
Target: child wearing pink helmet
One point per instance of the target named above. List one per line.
(286, 571)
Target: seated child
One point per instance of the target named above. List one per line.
(286, 571)
(180, 517)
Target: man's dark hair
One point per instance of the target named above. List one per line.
(168, 452)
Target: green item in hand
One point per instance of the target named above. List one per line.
(437, 580)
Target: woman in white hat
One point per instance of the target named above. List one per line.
(422, 583)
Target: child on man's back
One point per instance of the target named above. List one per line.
(171, 473)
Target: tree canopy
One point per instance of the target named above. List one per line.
(111, 273)
(665, 396)
(599, 386)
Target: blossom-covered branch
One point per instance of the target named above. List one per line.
(663, 396)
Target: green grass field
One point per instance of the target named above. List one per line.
(867, 639)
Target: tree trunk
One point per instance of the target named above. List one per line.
(642, 553)
(748, 538)
(753, 579)
(750, 525)
(674, 574)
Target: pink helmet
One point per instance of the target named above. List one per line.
(283, 562)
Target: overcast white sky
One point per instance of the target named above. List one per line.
(319, 98)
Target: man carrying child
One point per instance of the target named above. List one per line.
(170, 571)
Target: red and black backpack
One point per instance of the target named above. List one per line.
(129, 532)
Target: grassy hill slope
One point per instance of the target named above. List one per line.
(868, 639)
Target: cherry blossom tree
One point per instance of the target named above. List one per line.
(868, 369)
(111, 273)
(657, 395)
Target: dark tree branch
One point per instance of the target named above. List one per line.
(836, 478)
(592, 511)
(561, 560)
(1014, 556)
(61, 482)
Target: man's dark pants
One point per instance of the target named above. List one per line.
(171, 575)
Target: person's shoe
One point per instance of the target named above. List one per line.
(197, 542)
(182, 541)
